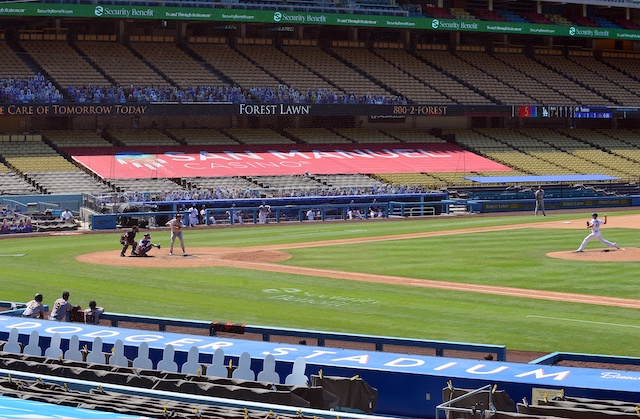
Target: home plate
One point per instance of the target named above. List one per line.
(189, 256)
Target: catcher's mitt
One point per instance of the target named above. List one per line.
(159, 245)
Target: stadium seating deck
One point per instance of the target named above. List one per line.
(533, 151)
(176, 64)
(127, 69)
(11, 65)
(201, 136)
(343, 77)
(365, 135)
(79, 138)
(150, 137)
(316, 136)
(237, 67)
(63, 64)
(292, 73)
(486, 83)
(448, 90)
(393, 75)
(64, 182)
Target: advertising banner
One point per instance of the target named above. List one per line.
(244, 109)
(208, 161)
(307, 18)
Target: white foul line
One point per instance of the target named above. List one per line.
(586, 321)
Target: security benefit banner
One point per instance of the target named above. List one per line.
(289, 159)
(120, 11)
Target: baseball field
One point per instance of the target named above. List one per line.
(500, 279)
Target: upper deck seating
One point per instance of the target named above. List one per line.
(63, 64)
(122, 65)
(177, 65)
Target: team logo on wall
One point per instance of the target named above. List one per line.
(435, 23)
(277, 16)
(98, 11)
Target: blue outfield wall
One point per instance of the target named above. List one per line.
(509, 205)
(408, 385)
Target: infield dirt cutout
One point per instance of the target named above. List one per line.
(263, 258)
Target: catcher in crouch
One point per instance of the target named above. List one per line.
(145, 245)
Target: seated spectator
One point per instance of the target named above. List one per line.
(20, 227)
(4, 229)
(28, 228)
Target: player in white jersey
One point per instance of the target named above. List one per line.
(193, 216)
(594, 224)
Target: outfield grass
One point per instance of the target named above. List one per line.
(514, 258)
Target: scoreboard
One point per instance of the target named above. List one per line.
(577, 112)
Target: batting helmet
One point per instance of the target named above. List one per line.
(38, 297)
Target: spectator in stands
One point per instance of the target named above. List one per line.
(20, 227)
(539, 195)
(61, 307)
(28, 227)
(66, 215)
(4, 229)
(35, 309)
(93, 313)
(32, 89)
(13, 227)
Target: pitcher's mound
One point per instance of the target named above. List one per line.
(630, 254)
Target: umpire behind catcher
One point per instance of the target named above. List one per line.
(129, 239)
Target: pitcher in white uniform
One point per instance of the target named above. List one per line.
(594, 224)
